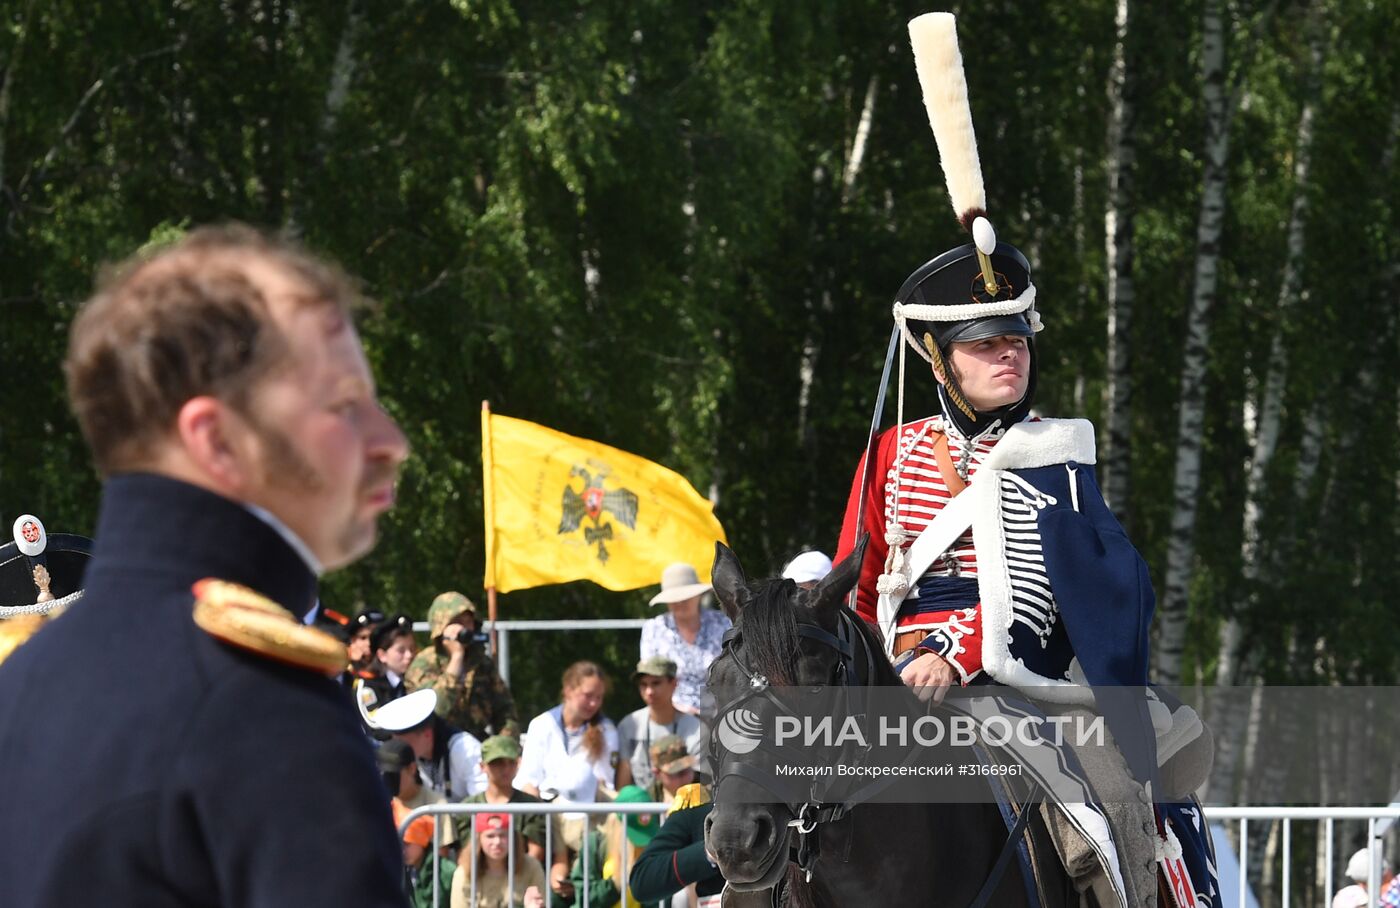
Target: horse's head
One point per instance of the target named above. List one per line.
(783, 636)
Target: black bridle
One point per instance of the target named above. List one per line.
(811, 806)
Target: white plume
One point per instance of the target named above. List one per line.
(934, 37)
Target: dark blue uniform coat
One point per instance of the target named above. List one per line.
(147, 764)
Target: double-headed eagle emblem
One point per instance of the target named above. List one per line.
(592, 501)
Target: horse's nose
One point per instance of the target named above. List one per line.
(740, 843)
(760, 834)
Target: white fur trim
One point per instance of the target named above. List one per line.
(1025, 445)
(1043, 443)
(934, 39)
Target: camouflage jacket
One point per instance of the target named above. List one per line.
(479, 704)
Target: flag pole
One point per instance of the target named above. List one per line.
(488, 507)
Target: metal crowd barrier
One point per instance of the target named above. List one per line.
(1328, 816)
(503, 630)
(437, 811)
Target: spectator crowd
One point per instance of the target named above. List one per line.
(445, 728)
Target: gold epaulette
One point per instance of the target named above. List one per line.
(248, 620)
(693, 795)
(17, 630)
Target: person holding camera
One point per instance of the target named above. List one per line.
(471, 694)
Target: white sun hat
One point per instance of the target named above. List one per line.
(679, 582)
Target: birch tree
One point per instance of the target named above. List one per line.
(1118, 240)
(342, 73)
(1263, 417)
(1210, 222)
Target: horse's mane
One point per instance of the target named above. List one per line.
(770, 630)
(800, 893)
(770, 634)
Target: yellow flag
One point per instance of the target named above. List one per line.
(560, 508)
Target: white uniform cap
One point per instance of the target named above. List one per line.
(408, 711)
(807, 567)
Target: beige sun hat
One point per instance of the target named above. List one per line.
(679, 582)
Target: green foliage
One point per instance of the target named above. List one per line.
(629, 221)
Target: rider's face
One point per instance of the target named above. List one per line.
(993, 372)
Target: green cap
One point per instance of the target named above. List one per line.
(659, 666)
(444, 609)
(669, 754)
(640, 826)
(500, 747)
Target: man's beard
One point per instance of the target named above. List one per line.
(286, 468)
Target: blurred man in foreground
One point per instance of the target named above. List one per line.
(170, 740)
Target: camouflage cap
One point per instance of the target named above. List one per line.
(659, 666)
(669, 754)
(445, 608)
(500, 747)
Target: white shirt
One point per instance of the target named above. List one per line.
(1353, 896)
(636, 734)
(556, 760)
(464, 767)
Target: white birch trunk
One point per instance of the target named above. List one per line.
(1264, 420)
(811, 349)
(1290, 292)
(1262, 863)
(1186, 480)
(1251, 739)
(342, 72)
(343, 67)
(1118, 238)
(807, 371)
(7, 85)
(857, 156)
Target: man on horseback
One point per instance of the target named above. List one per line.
(992, 556)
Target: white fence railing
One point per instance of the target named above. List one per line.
(468, 848)
(1325, 815)
(1237, 899)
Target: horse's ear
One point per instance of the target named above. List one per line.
(727, 577)
(828, 595)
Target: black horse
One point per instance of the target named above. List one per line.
(869, 853)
